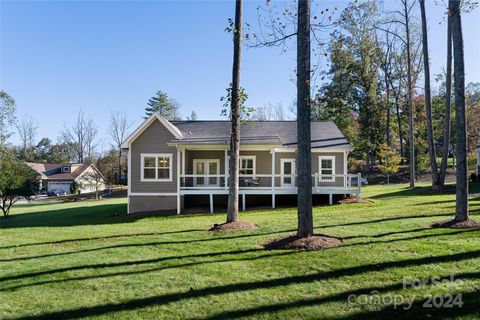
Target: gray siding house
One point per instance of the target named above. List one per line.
(169, 161)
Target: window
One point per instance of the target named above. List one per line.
(247, 165)
(156, 167)
(326, 166)
(66, 169)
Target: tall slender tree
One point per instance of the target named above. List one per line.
(448, 102)
(461, 213)
(305, 219)
(232, 210)
(406, 13)
(428, 101)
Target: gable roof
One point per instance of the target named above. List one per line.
(52, 171)
(155, 116)
(324, 134)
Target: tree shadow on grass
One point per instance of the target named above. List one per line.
(113, 236)
(425, 191)
(263, 255)
(157, 260)
(144, 244)
(395, 218)
(246, 286)
(96, 214)
(471, 300)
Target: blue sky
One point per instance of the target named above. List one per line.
(107, 56)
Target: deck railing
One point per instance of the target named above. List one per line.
(349, 182)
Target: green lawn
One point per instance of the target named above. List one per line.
(79, 260)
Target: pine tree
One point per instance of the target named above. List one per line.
(163, 105)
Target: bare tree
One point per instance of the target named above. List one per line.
(403, 18)
(118, 129)
(461, 213)
(81, 138)
(305, 218)
(428, 102)
(232, 211)
(270, 112)
(448, 104)
(407, 10)
(27, 130)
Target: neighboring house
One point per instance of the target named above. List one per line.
(171, 161)
(59, 177)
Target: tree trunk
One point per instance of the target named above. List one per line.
(387, 90)
(409, 98)
(448, 99)
(399, 119)
(232, 211)
(460, 114)
(119, 165)
(428, 102)
(305, 219)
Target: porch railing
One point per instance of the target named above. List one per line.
(350, 182)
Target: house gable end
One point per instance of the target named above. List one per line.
(154, 118)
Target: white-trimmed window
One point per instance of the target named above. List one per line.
(247, 165)
(156, 166)
(326, 166)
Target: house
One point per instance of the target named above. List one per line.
(59, 177)
(172, 161)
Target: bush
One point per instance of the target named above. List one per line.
(474, 178)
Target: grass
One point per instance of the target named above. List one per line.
(68, 261)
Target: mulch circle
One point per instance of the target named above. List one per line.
(468, 224)
(353, 200)
(237, 225)
(293, 242)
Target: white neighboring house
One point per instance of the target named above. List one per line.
(59, 177)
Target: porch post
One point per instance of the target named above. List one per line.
(178, 181)
(211, 202)
(345, 169)
(183, 162)
(330, 199)
(243, 202)
(273, 178)
(226, 169)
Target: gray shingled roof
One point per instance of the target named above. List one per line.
(324, 133)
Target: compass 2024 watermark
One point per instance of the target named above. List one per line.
(401, 301)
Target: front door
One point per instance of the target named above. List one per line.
(288, 172)
(204, 169)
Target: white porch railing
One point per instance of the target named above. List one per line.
(348, 182)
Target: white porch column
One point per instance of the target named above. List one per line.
(178, 182)
(211, 203)
(226, 169)
(183, 162)
(243, 202)
(273, 178)
(345, 168)
(330, 199)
